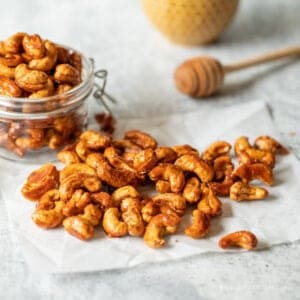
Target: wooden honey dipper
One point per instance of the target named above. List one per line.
(204, 75)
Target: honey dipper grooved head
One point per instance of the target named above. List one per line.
(199, 77)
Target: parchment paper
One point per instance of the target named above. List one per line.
(274, 220)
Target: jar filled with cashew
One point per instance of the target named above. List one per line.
(44, 89)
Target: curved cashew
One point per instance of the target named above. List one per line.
(33, 46)
(216, 149)
(112, 225)
(45, 92)
(185, 149)
(195, 164)
(68, 156)
(209, 203)
(252, 155)
(67, 74)
(34, 139)
(78, 168)
(165, 154)
(48, 213)
(241, 144)
(240, 191)
(199, 226)
(9, 88)
(131, 214)
(162, 186)
(223, 167)
(156, 229)
(192, 190)
(95, 140)
(142, 139)
(40, 181)
(30, 80)
(108, 174)
(7, 71)
(144, 160)
(149, 210)
(127, 191)
(171, 173)
(82, 150)
(244, 239)
(11, 60)
(103, 199)
(13, 44)
(249, 172)
(78, 201)
(175, 201)
(82, 226)
(47, 62)
(268, 143)
(77, 181)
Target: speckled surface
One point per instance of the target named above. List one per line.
(141, 63)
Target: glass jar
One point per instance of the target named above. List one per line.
(32, 129)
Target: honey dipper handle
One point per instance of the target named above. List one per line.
(292, 51)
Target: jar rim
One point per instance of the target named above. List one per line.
(88, 69)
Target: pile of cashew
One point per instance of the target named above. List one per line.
(32, 68)
(100, 180)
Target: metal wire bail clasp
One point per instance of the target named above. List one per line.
(100, 95)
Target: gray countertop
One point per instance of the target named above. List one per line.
(140, 64)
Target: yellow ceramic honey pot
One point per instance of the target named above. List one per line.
(191, 22)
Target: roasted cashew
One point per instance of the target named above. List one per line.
(112, 225)
(108, 174)
(199, 226)
(252, 155)
(11, 60)
(216, 149)
(8, 142)
(79, 169)
(241, 144)
(30, 80)
(240, 191)
(144, 160)
(209, 203)
(156, 229)
(34, 138)
(67, 74)
(163, 186)
(33, 46)
(127, 191)
(267, 143)
(40, 181)
(244, 239)
(103, 199)
(171, 173)
(7, 71)
(9, 88)
(149, 210)
(78, 201)
(165, 154)
(142, 139)
(13, 44)
(192, 190)
(77, 181)
(45, 92)
(195, 164)
(131, 214)
(185, 149)
(249, 172)
(48, 213)
(175, 201)
(223, 166)
(82, 226)
(68, 156)
(95, 140)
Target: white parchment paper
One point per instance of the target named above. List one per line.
(274, 220)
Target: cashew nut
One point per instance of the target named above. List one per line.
(141, 139)
(268, 143)
(199, 226)
(192, 190)
(112, 225)
(240, 191)
(216, 149)
(244, 239)
(209, 203)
